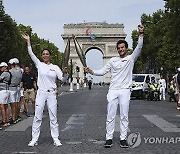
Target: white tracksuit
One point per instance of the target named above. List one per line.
(46, 83)
(119, 90)
(162, 82)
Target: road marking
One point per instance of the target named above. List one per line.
(94, 94)
(162, 124)
(22, 125)
(83, 153)
(61, 94)
(25, 152)
(76, 121)
(99, 142)
(73, 142)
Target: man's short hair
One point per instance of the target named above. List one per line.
(121, 41)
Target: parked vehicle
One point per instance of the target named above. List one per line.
(140, 85)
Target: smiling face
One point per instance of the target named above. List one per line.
(122, 50)
(27, 70)
(46, 56)
(3, 68)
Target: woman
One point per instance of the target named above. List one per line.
(5, 78)
(47, 88)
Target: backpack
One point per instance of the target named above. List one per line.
(178, 78)
(9, 82)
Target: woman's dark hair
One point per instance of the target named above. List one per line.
(121, 41)
(47, 50)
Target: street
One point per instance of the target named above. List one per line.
(154, 127)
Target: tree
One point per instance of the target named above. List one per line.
(161, 41)
(11, 44)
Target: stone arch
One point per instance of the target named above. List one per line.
(94, 47)
(93, 35)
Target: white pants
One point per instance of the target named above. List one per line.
(115, 97)
(41, 97)
(162, 93)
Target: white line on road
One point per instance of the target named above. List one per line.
(76, 121)
(83, 153)
(73, 142)
(25, 152)
(21, 126)
(162, 124)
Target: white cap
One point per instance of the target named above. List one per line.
(16, 60)
(3, 64)
(178, 69)
(13, 61)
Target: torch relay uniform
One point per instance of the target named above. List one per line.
(47, 74)
(119, 90)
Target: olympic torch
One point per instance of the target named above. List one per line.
(81, 57)
(80, 52)
(66, 54)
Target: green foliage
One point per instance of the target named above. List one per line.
(12, 45)
(161, 40)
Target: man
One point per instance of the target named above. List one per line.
(177, 88)
(28, 82)
(121, 68)
(162, 83)
(154, 91)
(90, 84)
(14, 88)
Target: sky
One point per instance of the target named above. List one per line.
(47, 17)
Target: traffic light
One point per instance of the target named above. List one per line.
(77, 69)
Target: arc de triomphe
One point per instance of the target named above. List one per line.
(93, 35)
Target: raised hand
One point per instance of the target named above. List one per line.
(27, 38)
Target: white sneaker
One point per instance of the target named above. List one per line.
(57, 142)
(32, 143)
